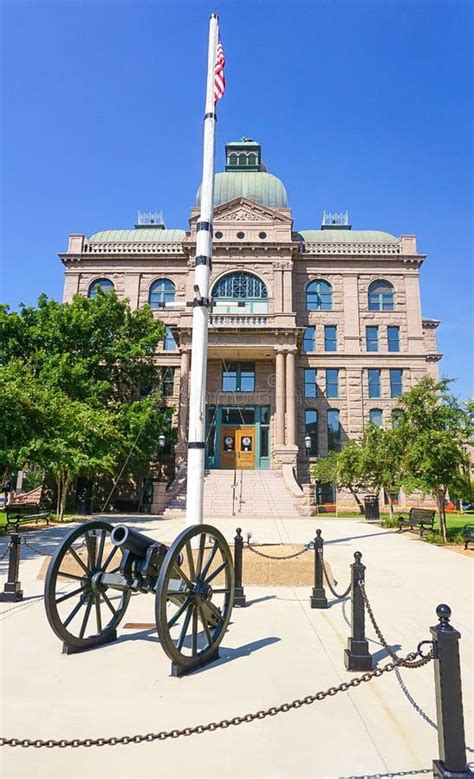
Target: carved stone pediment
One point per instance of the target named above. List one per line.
(243, 210)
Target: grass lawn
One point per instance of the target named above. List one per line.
(455, 522)
(67, 518)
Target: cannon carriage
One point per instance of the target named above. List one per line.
(98, 567)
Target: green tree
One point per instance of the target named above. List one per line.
(380, 460)
(345, 469)
(71, 385)
(433, 434)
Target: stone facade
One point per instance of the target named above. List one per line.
(251, 236)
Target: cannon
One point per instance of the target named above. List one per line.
(98, 566)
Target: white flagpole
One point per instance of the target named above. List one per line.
(203, 262)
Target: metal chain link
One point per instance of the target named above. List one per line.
(35, 548)
(409, 661)
(411, 700)
(4, 553)
(338, 595)
(212, 726)
(276, 557)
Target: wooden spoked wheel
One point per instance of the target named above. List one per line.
(80, 609)
(194, 597)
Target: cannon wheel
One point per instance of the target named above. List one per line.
(194, 597)
(79, 609)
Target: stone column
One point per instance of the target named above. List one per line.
(280, 397)
(290, 398)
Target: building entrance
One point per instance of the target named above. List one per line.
(238, 448)
(238, 437)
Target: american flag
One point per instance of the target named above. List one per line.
(219, 78)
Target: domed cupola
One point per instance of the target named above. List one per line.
(246, 176)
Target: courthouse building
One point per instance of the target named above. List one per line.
(318, 330)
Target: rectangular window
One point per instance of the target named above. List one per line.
(309, 339)
(376, 416)
(310, 390)
(334, 431)
(238, 377)
(372, 338)
(167, 382)
(393, 337)
(374, 383)
(332, 383)
(238, 415)
(169, 343)
(311, 430)
(397, 418)
(396, 382)
(330, 338)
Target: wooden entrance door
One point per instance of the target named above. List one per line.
(245, 447)
(238, 447)
(228, 448)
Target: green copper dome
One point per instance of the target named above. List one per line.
(152, 234)
(346, 236)
(261, 187)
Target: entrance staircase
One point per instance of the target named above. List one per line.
(243, 494)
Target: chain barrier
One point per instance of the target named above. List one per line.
(411, 700)
(35, 548)
(306, 548)
(409, 661)
(331, 582)
(222, 724)
(4, 553)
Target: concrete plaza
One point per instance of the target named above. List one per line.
(277, 649)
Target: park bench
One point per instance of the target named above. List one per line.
(26, 508)
(422, 518)
(468, 533)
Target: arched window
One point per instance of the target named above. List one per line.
(381, 296)
(161, 291)
(319, 296)
(241, 286)
(376, 416)
(105, 285)
(252, 159)
(242, 159)
(233, 159)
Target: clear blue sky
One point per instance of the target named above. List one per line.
(358, 105)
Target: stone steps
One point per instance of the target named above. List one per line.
(257, 494)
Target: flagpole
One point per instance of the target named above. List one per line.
(202, 268)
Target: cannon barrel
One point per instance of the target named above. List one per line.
(132, 540)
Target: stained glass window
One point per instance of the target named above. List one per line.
(240, 285)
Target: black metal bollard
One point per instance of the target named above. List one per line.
(239, 594)
(452, 763)
(318, 599)
(12, 588)
(356, 656)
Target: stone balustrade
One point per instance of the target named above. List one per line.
(239, 320)
(350, 248)
(148, 247)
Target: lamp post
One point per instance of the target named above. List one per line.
(307, 443)
(161, 444)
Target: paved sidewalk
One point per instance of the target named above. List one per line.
(276, 650)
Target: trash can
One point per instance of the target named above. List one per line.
(84, 496)
(371, 507)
